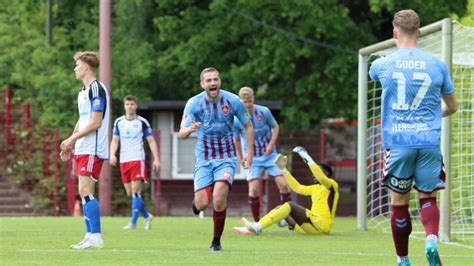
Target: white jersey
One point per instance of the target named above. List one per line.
(94, 98)
(131, 133)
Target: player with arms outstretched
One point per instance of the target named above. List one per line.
(414, 86)
(211, 115)
(129, 130)
(91, 143)
(265, 136)
(324, 196)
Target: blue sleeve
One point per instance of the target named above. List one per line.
(238, 129)
(270, 119)
(98, 104)
(188, 113)
(448, 86)
(241, 111)
(147, 131)
(374, 70)
(98, 97)
(116, 131)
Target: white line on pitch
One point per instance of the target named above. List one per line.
(234, 252)
(446, 243)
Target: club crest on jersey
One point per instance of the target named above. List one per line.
(225, 109)
(96, 102)
(259, 118)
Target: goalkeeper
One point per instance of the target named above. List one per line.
(324, 196)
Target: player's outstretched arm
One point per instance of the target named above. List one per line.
(315, 169)
(184, 132)
(281, 162)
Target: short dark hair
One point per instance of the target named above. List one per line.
(130, 98)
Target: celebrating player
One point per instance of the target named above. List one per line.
(414, 84)
(266, 133)
(324, 195)
(90, 138)
(129, 131)
(211, 114)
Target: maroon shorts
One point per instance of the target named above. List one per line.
(133, 171)
(88, 165)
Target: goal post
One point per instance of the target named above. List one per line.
(452, 43)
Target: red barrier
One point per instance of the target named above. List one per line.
(7, 93)
(27, 121)
(56, 170)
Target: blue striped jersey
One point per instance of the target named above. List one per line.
(413, 82)
(263, 122)
(215, 135)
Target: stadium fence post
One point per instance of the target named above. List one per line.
(445, 199)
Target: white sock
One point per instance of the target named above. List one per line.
(403, 258)
(96, 237)
(432, 237)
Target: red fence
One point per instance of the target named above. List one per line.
(22, 148)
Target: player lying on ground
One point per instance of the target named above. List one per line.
(324, 196)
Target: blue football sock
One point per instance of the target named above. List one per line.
(143, 210)
(137, 204)
(93, 213)
(86, 219)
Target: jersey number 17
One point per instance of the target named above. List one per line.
(401, 88)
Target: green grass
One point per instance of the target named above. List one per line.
(46, 240)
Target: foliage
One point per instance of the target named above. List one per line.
(301, 52)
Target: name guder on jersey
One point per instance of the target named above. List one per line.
(411, 64)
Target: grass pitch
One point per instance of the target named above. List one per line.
(46, 240)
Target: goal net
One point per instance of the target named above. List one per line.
(452, 43)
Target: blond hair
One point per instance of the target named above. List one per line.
(207, 69)
(88, 57)
(245, 93)
(407, 21)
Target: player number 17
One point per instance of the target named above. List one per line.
(401, 88)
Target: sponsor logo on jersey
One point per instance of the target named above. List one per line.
(225, 109)
(227, 176)
(401, 184)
